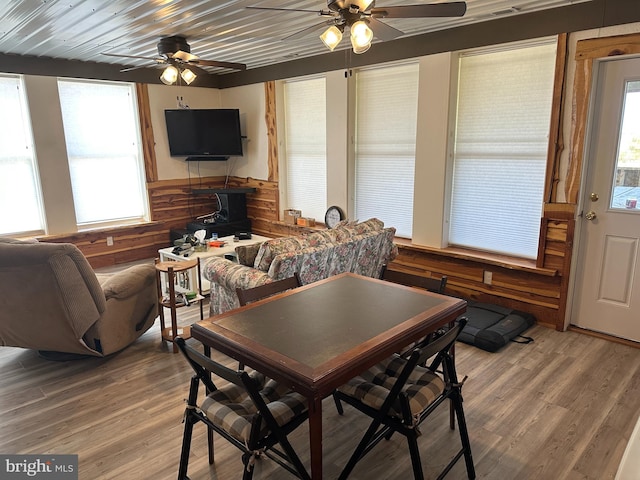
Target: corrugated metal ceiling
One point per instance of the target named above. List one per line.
(216, 30)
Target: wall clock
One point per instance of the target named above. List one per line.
(333, 216)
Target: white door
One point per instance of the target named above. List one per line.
(608, 276)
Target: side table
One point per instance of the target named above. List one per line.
(169, 299)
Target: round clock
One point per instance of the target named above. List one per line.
(333, 216)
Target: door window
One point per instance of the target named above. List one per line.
(626, 186)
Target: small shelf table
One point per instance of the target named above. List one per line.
(168, 299)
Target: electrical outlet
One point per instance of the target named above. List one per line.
(109, 241)
(487, 277)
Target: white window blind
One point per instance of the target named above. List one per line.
(386, 115)
(306, 150)
(504, 107)
(21, 210)
(102, 136)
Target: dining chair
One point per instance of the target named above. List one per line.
(252, 412)
(436, 285)
(249, 295)
(399, 394)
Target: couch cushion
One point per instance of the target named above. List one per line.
(277, 246)
(348, 229)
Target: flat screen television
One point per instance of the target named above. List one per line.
(204, 134)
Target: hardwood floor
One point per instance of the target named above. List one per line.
(562, 407)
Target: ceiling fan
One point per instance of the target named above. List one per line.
(175, 52)
(361, 17)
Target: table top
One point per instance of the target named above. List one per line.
(318, 336)
(229, 247)
(175, 266)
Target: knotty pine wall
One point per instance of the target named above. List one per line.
(172, 206)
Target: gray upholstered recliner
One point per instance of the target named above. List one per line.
(51, 300)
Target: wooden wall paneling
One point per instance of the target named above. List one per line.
(272, 130)
(146, 133)
(537, 292)
(603, 47)
(586, 52)
(556, 144)
(581, 94)
(556, 249)
(130, 243)
(566, 269)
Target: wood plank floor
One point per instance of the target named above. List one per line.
(560, 408)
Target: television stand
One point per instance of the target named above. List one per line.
(222, 229)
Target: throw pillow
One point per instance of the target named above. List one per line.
(247, 254)
(271, 248)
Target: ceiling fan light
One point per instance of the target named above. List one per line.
(364, 4)
(169, 75)
(361, 36)
(358, 49)
(188, 76)
(331, 37)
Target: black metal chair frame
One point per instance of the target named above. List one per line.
(285, 456)
(413, 280)
(262, 291)
(383, 424)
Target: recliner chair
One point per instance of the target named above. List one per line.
(51, 300)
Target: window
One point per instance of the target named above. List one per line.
(306, 151)
(504, 108)
(102, 136)
(386, 116)
(21, 210)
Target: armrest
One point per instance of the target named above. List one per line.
(129, 282)
(231, 275)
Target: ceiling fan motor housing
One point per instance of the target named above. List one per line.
(170, 45)
(338, 5)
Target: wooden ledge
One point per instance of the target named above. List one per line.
(504, 261)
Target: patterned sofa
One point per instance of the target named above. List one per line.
(361, 248)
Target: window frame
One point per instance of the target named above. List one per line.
(285, 157)
(33, 158)
(388, 199)
(140, 159)
(553, 132)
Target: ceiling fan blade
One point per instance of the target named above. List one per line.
(383, 31)
(184, 56)
(214, 63)
(319, 12)
(451, 9)
(195, 69)
(129, 56)
(306, 31)
(129, 69)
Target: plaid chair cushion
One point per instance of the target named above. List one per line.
(232, 409)
(372, 387)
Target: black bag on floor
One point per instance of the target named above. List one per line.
(491, 327)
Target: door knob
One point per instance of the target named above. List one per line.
(590, 215)
(594, 197)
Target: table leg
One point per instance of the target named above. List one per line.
(315, 437)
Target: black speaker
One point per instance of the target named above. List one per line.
(233, 206)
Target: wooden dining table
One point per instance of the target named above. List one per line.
(317, 337)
